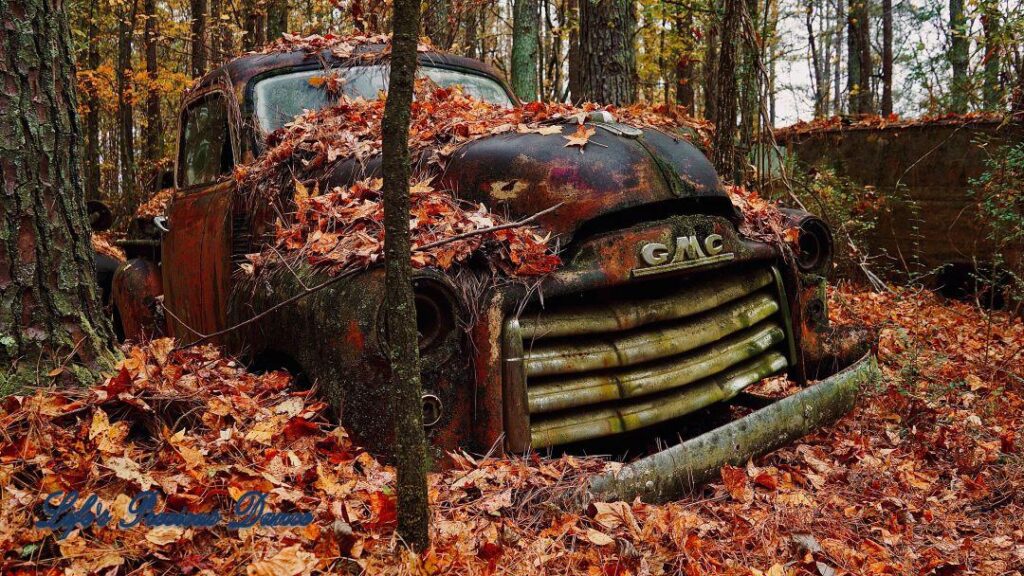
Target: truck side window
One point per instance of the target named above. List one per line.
(206, 142)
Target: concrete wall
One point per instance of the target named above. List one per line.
(923, 171)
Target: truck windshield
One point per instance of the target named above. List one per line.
(279, 99)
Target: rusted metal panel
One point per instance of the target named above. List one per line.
(198, 251)
(135, 289)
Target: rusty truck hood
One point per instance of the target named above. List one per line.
(620, 168)
(622, 175)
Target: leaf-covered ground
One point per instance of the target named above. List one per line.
(924, 477)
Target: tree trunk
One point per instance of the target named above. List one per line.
(959, 45)
(991, 22)
(154, 129)
(837, 86)
(254, 23)
(472, 33)
(125, 109)
(198, 36)
(574, 56)
(607, 54)
(724, 153)
(686, 71)
(859, 63)
(438, 25)
(92, 117)
(407, 402)
(886, 57)
(525, 21)
(711, 69)
(51, 319)
(277, 19)
(818, 78)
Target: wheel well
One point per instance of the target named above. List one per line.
(270, 360)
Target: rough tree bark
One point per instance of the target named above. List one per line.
(859, 63)
(991, 21)
(407, 403)
(711, 67)
(198, 62)
(607, 52)
(525, 22)
(154, 128)
(886, 57)
(277, 19)
(837, 80)
(686, 70)
(50, 314)
(125, 108)
(724, 153)
(959, 46)
(92, 117)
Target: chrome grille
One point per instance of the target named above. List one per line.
(588, 371)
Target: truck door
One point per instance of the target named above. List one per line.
(196, 251)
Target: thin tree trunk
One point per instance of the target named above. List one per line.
(525, 21)
(437, 24)
(92, 118)
(574, 55)
(991, 22)
(859, 63)
(817, 75)
(214, 32)
(50, 312)
(711, 69)
(886, 57)
(407, 403)
(837, 87)
(724, 153)
(198, 30)
(959, 45)
(254, 22)
(154, 129)
(685, 69)
(607, 54)
(125, 109)
(472, 32)
(277, 19)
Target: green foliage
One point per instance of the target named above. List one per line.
(999, 194)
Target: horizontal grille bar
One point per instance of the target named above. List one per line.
(608, 421)
(629, 314)
(636, 347)
(603, 387)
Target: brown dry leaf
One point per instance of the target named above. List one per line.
(599, 538)
(292, 561)
(580, 137)
(735, 480)
(162, 535)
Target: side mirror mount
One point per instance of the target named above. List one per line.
(162, 224)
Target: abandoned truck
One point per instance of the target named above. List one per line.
(660, 310)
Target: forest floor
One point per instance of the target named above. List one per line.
(926, 476)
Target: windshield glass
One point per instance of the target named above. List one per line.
(279, 99)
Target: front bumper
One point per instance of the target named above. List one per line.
(676, 471)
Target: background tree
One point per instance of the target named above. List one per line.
(607, 54)
(859, 66)
(154, 124)
(403, 341)
(886, 57)
(198, 36)
(438, 24)
(724, 148)
(50, 314)
(526, 18)
(125, 100)
(277, 19)
(959, 47)
(990, 21)
(254, 20)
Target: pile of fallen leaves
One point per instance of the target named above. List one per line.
(925, 477)
(876, 122)
(340, 46)
(344, 229)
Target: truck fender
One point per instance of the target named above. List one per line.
(138, 294)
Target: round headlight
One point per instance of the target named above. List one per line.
(814, 245)
(435, 313)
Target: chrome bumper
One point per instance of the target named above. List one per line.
(673, 472)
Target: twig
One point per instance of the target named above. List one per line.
(331, 281)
